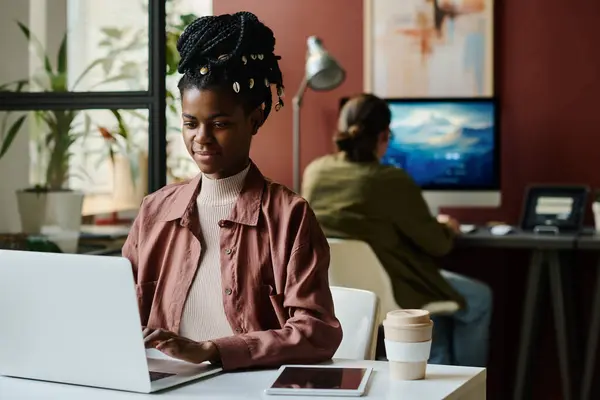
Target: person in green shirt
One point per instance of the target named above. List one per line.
(354, 196)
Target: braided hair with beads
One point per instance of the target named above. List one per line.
(234, 51)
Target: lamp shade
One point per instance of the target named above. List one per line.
(322, 71)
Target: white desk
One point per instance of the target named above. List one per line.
(442, 382)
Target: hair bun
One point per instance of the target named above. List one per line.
(344, 140)
(354, 131)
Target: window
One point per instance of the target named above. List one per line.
(95, 67)
(95, 62)
(75, 45)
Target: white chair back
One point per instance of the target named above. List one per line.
(357, 312)
(355, 265)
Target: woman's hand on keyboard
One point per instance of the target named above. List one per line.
(179, 347)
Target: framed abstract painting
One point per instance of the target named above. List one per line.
(429, 48)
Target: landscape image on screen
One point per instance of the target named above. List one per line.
(444, 144)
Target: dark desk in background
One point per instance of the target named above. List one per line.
(591, 242)
(545, 262)
(102, 240)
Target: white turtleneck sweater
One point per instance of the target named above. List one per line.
(203, 314)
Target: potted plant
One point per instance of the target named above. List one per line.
(51, 207)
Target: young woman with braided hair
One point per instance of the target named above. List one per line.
(230, 267)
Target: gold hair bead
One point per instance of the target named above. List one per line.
(253, 56)
(261, 56)
(204, 70)
(251, 83)
(236, 87)
(244, 60)
(263, 106)
(266, 82)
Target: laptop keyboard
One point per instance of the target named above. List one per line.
(154, 376)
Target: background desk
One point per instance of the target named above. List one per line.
(591, 243)
(544, 261)
(442, 382)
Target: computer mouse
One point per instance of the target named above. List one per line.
(467, 228)
(501, 230)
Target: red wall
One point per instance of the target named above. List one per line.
(549, 86)
(339, 25)
(548, 82)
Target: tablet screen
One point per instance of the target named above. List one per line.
(329, 378)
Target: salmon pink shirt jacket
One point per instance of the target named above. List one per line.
(274, 272)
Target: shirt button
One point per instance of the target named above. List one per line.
(228, 292)
(222, 223)
(228, 251)
(238, 330)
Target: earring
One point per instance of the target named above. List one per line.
(279, 105)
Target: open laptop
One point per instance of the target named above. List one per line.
(74, 319)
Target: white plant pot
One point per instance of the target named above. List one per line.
(596, 210)
(54, 214)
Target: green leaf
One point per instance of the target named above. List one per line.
(187, 19)
(114, 33)
(123, 130)
(87, 126)
(111, 153)
(32, 38)
(115, 78)
(10, 136)
(4, 123)
(131, 69)
(94, 63)
(62, 57)
(137, 114)
(107, 65)
(59, 83)
(19, 85)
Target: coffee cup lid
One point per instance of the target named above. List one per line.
(409, 316)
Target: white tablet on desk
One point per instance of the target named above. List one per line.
(317, 380)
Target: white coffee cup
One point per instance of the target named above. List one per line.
(408, 343)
